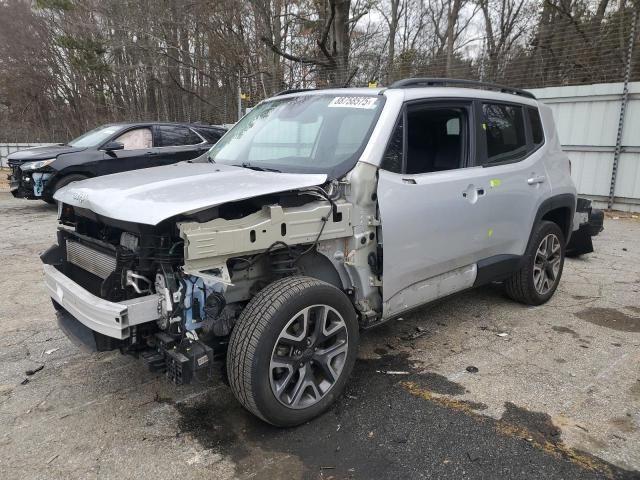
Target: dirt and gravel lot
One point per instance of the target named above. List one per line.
(556, 393)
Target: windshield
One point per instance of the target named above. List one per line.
(94, 137)
(303, 134)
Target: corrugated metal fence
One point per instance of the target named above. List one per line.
(8, 148)
(587, 119)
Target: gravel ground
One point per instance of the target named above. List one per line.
(558, 396)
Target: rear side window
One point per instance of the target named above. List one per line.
(175, 135)
(503, 126)
(536, 126)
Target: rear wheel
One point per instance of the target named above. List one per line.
(537, 280)
(292, 350)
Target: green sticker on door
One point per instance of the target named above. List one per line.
(495, 182)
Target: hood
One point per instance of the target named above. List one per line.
(152, 195)
(41, 153)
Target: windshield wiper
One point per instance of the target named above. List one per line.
(257, 168)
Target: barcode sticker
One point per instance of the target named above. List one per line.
(354, 102)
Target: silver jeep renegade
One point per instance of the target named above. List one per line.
(319, 214)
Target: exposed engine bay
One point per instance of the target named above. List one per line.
(193, 274)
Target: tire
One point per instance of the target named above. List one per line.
(263, 340)
(524, 285)
(63, 182)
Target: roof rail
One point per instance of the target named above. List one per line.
(294, 90)
(453, 82)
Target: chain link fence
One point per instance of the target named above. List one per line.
(563, 53)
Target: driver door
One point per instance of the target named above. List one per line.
(434, 226)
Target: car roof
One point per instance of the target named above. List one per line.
(182, 124)
(423, 89)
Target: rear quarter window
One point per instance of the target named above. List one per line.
(537, 131)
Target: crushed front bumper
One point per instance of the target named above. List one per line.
(30, 185)
(113, 319)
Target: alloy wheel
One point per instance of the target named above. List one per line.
(308, 356)
(546, 266)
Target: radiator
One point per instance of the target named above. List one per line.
(93, 261)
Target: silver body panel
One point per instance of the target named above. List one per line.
(152, 195)
(108, 318)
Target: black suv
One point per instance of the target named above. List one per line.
(37, 173)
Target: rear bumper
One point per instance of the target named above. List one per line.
(112, 319)
(589, 222)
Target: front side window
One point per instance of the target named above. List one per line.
(95, 137)
(435, 141)
(503, 126)
(321, 133)
(136, 139)
(176, 136)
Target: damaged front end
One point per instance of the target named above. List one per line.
(172, 292)
(29, 180)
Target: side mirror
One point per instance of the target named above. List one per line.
(111, 146)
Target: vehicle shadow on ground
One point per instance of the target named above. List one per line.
(32, 207)
(389, 424)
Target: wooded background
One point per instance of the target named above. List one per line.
(69, 65)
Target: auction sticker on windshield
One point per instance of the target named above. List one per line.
(354, 102)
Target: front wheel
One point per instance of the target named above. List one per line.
(292, 350)
(538, 278)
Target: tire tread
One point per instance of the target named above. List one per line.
(247, 332)
(519, 286)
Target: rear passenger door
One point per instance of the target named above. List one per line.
(176, 143)
(513, 177)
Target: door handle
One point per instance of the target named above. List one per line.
(409, 181)
(536, 180)
(480, 191)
